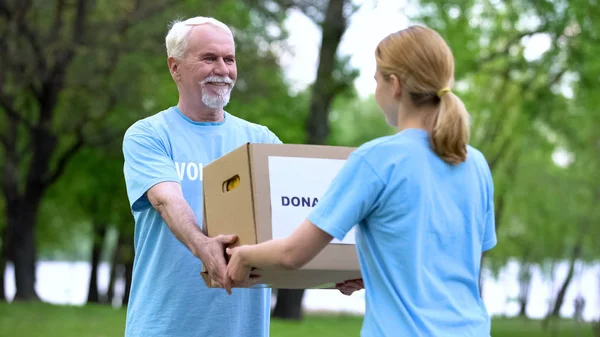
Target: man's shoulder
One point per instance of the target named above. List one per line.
(254, 129)
(147, 126)
(240, 122)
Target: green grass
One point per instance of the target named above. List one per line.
(38, 319)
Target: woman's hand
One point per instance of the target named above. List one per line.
(238, 269)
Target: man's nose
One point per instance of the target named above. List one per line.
(221, 68)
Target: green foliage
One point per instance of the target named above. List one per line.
(524, 109)
(527, 106)
(357, 121)
(92, 192)
(119, 76)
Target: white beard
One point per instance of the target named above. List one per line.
(222, 96)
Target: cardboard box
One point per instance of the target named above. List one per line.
(264, 191)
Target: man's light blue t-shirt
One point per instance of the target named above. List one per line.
(168, 296)
(422, 227)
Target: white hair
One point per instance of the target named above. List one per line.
(177, 37)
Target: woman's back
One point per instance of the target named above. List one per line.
(421, 242)
(423, 200)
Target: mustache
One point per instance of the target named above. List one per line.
(217, 79)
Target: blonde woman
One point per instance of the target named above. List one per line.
(422, 200)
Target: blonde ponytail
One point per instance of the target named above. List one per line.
(423, 62)
(450, 134)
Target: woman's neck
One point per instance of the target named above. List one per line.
(417, 118)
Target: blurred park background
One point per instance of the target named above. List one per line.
(74, 74)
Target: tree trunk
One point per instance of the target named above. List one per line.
(499, 206)
(325, 88)
(21, 217)
(125, 253)
(524, 287)
(128, 278)
(3, 264)
(23, 200)
(480, 281)
(563, 289)
(289, 304)
(99, 233)
(596, 324)
(110, 294)
(289, 301)
(114, 261)
(575, 255)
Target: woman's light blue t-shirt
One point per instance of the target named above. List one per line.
(422, 227)
(168, 296)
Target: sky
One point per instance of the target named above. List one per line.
(374, 20)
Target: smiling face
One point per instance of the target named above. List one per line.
(208, 71)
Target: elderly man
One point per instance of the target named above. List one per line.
(164, 155)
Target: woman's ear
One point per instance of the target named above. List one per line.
(396, 86)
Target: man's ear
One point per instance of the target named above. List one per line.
(396, 86)
(173, 68)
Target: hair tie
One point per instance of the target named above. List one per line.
(442, 92)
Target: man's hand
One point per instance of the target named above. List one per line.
(167, 198)
(350, 286)
(212, 254)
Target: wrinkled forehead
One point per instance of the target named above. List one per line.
(207, 38)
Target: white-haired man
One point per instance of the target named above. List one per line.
(164, 155)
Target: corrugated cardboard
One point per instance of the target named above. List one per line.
(246, 212)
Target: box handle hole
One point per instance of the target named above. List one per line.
(231, 183)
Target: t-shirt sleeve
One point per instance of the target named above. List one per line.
(147, 163)
(489, 236)
(351, 196)
(272, 138)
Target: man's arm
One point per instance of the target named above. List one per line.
(167, 198)
(152, 180)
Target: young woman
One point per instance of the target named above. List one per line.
(422, 200)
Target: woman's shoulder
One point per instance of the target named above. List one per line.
(395, 144)
(479, 160)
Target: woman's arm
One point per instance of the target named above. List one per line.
(291, 252)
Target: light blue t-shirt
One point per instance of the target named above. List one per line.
(422, 227)
(168, 295)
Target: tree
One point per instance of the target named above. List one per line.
(60, 75)
(333, 78)
(2, 251)
(78, 78)
(581, 141)
(92, 186)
